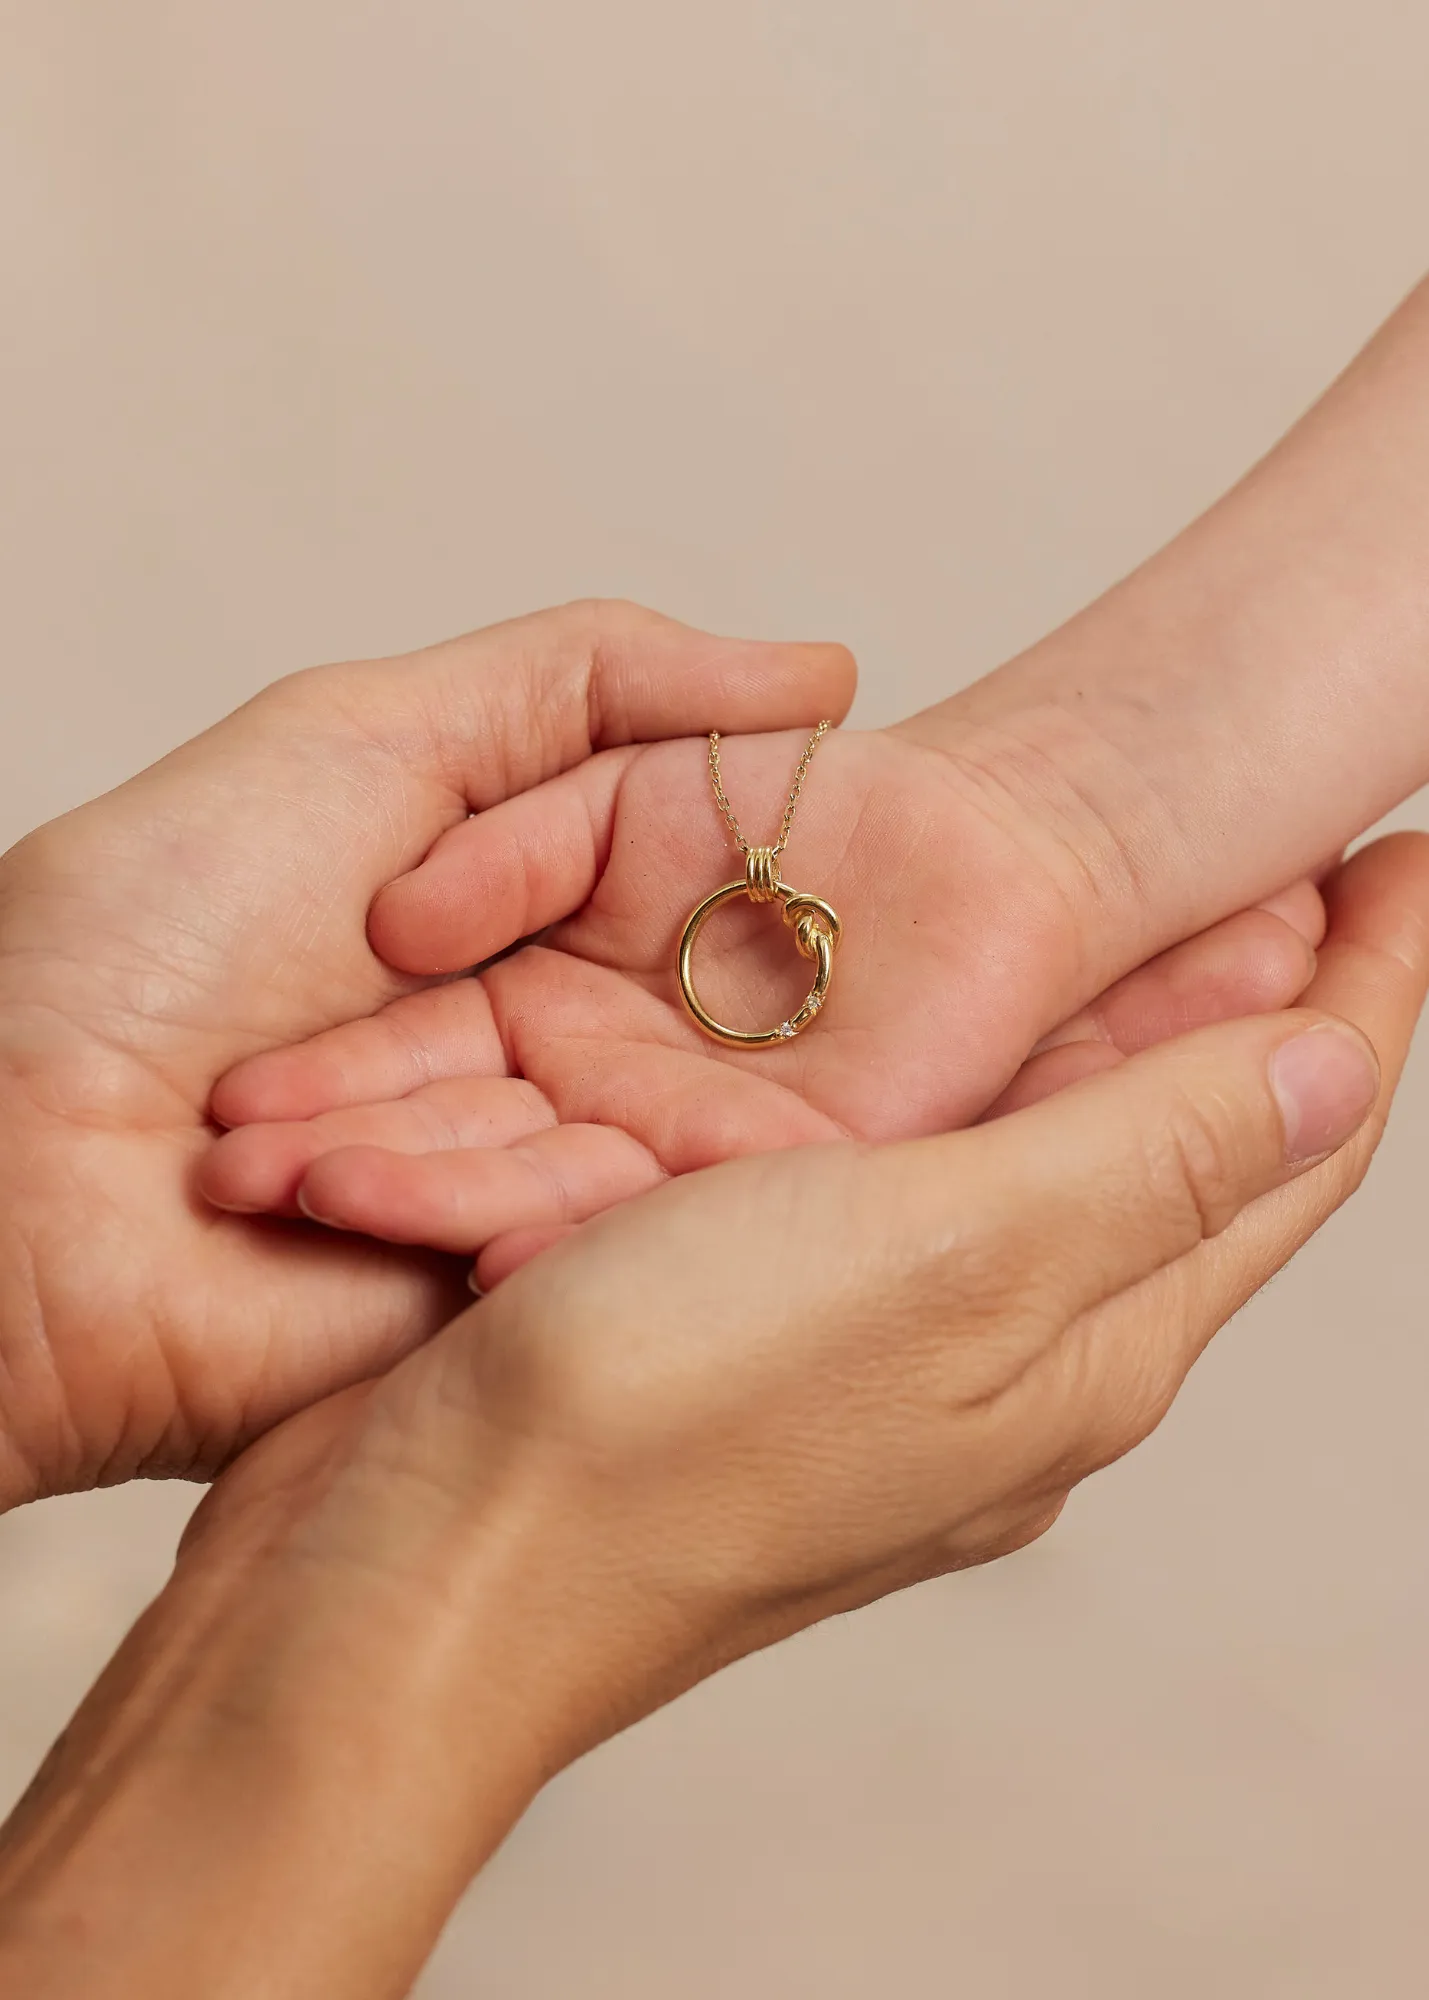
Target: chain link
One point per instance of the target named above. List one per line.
(795, 789)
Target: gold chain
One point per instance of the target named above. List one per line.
(794, 790)
(814, 922)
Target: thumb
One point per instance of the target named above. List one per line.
(498, 711)
(1123, 1173)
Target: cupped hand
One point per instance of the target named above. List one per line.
(759, 1396)
(784, 1387)
(216, 905)
(981, 907)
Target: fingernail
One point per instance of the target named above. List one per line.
(472, 1286)
(314, 1214)
(1324, 1082)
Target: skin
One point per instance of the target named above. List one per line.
(213, 906)
(569, 1075)
(555, 1515)
(1214, 728)
(645, 1457)
(1234, 713)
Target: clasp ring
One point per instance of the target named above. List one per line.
(817, 931)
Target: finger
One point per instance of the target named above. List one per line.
(501, 710)
(273, 832)
(1125, 1172)
(502, 874)
(507, 1253)
(642, 1065)
(1055, 1069)
(1253, 963)
(459, 1201)
(1256, 962)
(1302, 907)
(444, 1031)
(260, 1168)
(1373, 971)
(1129, 1356)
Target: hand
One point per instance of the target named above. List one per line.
(216, 905)
(499, 1110)
(761, 1396)
(1221, 723)
(880, 1362)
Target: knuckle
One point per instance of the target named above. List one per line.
(303, 684)
(607, 621)
(1038, 1520)
(53, 859)
(313, 703)
(602, 629)
(981, 1314)
(1116, 1389)
(1130, 1409)
(1002, 1530)
(33, 855)
(1198, 1165)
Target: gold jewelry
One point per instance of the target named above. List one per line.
(816, 927)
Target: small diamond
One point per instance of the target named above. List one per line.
(786, 1029)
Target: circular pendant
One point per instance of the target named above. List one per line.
(816, 931)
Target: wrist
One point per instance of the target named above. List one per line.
(300, 1757)
(1263, 675)
(1220, 735)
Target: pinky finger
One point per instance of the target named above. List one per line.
(1253, 963)
(507, 1253)
(1044, 1075)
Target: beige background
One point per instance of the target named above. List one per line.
(329, 328)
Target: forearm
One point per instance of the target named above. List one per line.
(287, 1777)
(1258, 693)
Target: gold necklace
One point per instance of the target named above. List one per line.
(816, 927)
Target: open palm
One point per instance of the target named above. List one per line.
(494, 1112)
